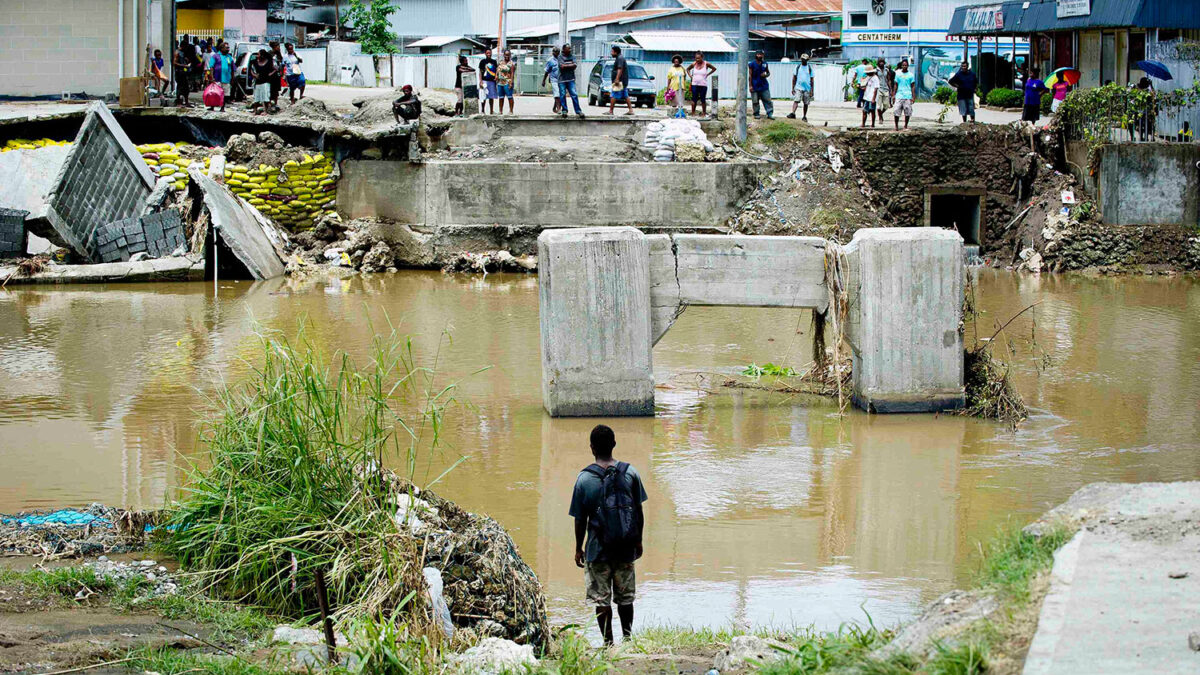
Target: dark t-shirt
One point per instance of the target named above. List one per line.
(586, 499)
(487, 70)
(566, 68)
(263, 72)
(758, 76)
(619, 64)
(966, 83)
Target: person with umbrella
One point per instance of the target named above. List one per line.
(1060, 83)
(1145, 103)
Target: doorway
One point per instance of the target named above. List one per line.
(959, 209)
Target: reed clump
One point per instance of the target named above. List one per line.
(295, 480)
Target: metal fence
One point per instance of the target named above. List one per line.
(1126, 116)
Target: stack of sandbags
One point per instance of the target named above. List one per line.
(293, 195)
(671, 132)
(653, 130)
(31, 144)
(166, 160)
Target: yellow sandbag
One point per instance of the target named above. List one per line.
(180, 184)
(233, 182)
(238, 168)
(257, 202)
(255, 179)
(240, 175)
(281, 191)
(166, 170)
(327, 181)
(150, 162)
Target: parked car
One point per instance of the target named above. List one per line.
(243, 82)
(641, 84)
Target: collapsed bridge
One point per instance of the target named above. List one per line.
(607, 295)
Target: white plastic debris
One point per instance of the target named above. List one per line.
(494, 655)
(441, 611)
(835, 158)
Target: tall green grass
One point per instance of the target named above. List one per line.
(1013, 558)
(293, 479)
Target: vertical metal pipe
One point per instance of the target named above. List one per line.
(563, 35)
(120, 39)
(743, 64)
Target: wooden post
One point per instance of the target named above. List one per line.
(326, 622)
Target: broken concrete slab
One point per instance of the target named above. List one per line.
(156, 235)
(179, 268)
(102, 179)
(255, 241)
(29, 176)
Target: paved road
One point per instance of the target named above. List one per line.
(1124, 592)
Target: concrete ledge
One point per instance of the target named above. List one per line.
(479, 129)
(160, 269)
(579, 194)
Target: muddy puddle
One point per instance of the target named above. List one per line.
(763, 509)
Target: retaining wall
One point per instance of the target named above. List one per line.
(579, 194)
(1150, 184)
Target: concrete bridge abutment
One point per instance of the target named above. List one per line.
(608, 294)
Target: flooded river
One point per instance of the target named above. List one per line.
(764, 509)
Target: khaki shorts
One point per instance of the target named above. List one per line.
(607, 582)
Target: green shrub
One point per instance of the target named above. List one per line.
(945, 95)
(1047, 98)
(1004, 98)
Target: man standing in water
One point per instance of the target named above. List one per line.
(607, 505)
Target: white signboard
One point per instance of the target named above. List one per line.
(1066, 8)
(985, 19)
(877, 37)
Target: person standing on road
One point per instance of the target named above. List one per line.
(264, 71)
(700, 71)
(760, 88)
(566, 83)
(506, 81)
(870, 93)
(965, 82)
(860, 81)
(607, 506)
(460, 107)
(221, 72)
(277, 59)
(887, 79)
(183, 73)
(676, 76)
(1060, 91)
(487, 78)
(1034, 88)
(619, 88)
(295, 76)
(802, 88)
(905, 81)
(551, 75)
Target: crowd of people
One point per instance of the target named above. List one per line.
(209, 67)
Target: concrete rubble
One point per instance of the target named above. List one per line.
(256, 242)
(746, 652)
(493, 656)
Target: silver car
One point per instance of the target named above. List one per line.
(641, 84)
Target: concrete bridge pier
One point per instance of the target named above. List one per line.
(608, 294)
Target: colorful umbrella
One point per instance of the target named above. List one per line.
(1069, 75)
(1154, 69)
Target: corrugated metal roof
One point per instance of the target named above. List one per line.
(682, 41)
(440, 41)
(773, 6)
(792, 34)
(626, 16)
(1042, 16)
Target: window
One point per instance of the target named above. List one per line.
(858, 20)
(899, 19)
(1166, 35)
(1137, 48)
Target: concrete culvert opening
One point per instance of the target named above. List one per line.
(957, 209)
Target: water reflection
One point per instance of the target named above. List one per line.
(764, 508)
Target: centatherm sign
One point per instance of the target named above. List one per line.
(1066, 8)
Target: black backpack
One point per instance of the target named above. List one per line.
(618, 516)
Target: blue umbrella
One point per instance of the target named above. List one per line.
(1155, 69)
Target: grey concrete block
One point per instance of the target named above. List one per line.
(256, 242)
(594, 290)
(906, 293)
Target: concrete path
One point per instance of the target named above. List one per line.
(1125, 592)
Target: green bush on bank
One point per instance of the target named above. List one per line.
(945, 95)
(1004, 98)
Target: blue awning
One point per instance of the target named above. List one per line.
(1012, 18)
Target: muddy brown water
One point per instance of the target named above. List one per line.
(764, 509)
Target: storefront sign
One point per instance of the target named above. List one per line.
(876, 37)
(1067, 8)
(985, 19)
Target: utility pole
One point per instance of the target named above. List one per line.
(500, 37)
(562, 23)
(743, 64)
